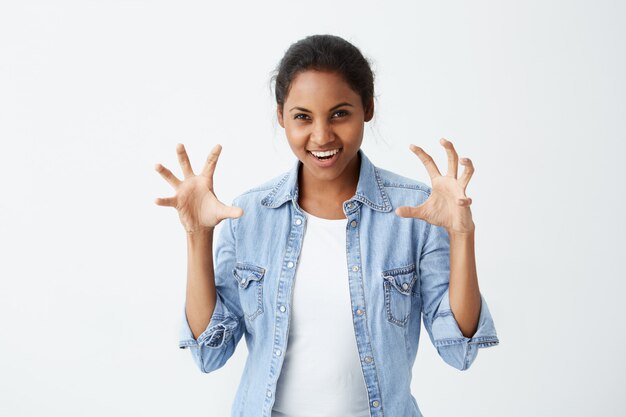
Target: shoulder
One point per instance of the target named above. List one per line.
(396, 183)
(261, 190)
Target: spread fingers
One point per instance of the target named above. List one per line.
(167, 174)
(183, 159)
(427, 160)
(167, 201)
(211, 161)
(467, 172)
(453, 157)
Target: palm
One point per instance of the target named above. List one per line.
(195, 200)
(447, 205)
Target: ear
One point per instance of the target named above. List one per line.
(279, 114)
(369, 110)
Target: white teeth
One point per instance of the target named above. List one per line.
(327, 153)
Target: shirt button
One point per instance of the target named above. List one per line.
(368, 359)
(298, 222)
(353, 223)
(375, 403)
(350, 205)
(277, 352)
(282, 309)
(289, 264)
(359, 312)
(405, 286)
(355, 268)
(268, 393)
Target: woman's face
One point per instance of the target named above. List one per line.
(322, 113)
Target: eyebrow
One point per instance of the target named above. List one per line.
(331, 109)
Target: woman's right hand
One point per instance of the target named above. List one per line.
(198, 207)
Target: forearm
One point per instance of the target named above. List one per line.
(200, 294)
(464, 291)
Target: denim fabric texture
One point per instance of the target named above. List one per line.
(398, 271)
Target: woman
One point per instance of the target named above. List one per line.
(327, 269)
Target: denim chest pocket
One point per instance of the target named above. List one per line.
(250, 280)
(400, 286)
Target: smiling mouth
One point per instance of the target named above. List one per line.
(325, 155)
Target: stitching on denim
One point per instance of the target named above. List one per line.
(486, 344)
(468, 351)
(390, 316)
(259, 309)
(254, 278)
(397, 284)
(400, 270)
(381, 188)
(245, 266)
(374, 365)
(450, 342)
(388, 184)
(268, 200)
(474, 340)
(360, 197)
(245, 276)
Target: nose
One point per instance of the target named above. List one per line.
(322, 133)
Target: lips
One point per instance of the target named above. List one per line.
(327, 162)
(324, 151)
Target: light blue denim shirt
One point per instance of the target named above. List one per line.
(398, 270)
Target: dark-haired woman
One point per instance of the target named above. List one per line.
(328, 268)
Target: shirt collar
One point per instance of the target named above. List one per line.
(369, 189)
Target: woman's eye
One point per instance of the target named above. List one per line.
(343, 112)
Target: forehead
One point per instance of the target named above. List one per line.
(320, 87)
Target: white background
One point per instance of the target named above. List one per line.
(93, 94)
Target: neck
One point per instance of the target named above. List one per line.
(330, 192)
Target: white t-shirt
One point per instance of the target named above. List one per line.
(321, 374)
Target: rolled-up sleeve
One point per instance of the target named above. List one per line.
(444, 332)
(216, 344)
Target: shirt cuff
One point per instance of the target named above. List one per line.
(218, 332)
(456, 349)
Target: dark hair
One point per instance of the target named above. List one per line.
(325, 53)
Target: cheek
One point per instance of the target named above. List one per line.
(351, 131)
(296, 136)
(293, 129)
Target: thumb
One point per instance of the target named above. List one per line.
(408, 211)
(225, 211)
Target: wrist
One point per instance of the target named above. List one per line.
(461, 233)
(200, 231)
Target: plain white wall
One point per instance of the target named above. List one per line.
(93, 94)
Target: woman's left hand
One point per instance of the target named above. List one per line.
(447, 205)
